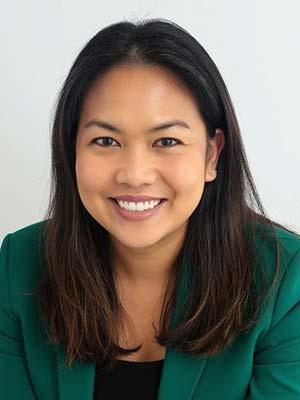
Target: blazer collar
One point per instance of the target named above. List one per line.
(180, 374)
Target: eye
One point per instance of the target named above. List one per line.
(109, 138)
(170, 139)
(100, 138)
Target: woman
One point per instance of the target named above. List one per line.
(190, 295)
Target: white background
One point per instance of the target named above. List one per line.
(255, 45)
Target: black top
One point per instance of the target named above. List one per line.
(132, 380)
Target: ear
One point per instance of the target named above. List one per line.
(215, 146)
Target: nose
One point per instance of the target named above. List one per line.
(136, 167)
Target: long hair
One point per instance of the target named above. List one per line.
(76, 293)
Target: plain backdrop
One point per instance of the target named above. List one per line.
(255, 45)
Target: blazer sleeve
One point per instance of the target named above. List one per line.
(14, 377)
(276, 364)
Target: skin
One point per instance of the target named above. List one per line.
(134, 99)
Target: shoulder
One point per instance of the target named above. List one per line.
(282, 243)
(289, 260)
(290, 242)
(283, 307)
(21, 256)
(23, 242)
(276, 357)
(28, 234)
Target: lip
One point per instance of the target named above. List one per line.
(136, 199)
(137, 215)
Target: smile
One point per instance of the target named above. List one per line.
(137, 214)
(139, 206)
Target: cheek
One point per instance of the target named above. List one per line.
(88, 173)
(187, 176)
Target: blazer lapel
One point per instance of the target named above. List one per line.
(75, 382)
(180, 372)
(180, 375)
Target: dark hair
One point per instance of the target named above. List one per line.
(76, 293)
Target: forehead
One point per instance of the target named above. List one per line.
(134, 88)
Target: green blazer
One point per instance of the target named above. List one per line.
(263, 364)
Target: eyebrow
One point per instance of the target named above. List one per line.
(102, 124)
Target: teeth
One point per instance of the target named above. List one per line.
(140, 206)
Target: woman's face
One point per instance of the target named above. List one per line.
(136, 161)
